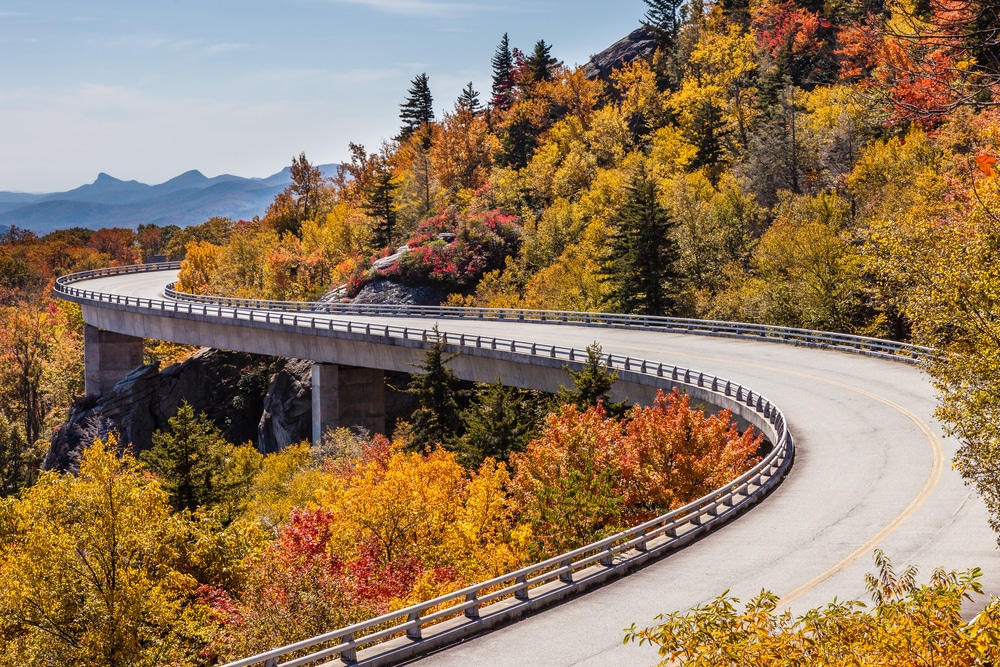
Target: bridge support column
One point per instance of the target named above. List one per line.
(347, 396)
(107, 358)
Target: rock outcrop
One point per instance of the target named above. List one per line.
(228, 386)
(637, 44)
(388, 292)
(287, 414)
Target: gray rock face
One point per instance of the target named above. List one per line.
(388, 292)
(228, 386)
(637, 44)
(287, 415)
(251, 398)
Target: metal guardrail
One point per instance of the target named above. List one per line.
(824, 339)
(866, 345)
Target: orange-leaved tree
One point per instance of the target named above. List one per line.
(590, 474)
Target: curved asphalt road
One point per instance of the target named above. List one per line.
(872, 469)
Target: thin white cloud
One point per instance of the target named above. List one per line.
(225, 47)
(153, 42)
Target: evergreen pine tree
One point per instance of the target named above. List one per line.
(501, 420)
(468, 101)
(417, 112)
(503, 76)
(640, 264)
(187, 458)
(437, 421)
(663, 21)
(592, 385)
(380, 204)
(541, 62)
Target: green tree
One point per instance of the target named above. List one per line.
(468, 101)
(417, 111)
(503, 76)
(188, 458)
(380, 203)
(501, 420)
(437, 421)
(663, 21)
(592, 385)
(640, 264)
(541, 63)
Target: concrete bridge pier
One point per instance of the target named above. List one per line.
(347, 396)
(107, 358)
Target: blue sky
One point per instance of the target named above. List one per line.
(147, 89)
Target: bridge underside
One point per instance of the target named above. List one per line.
(341, 395)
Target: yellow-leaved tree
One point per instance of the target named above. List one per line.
(90, 573)
(908, 624)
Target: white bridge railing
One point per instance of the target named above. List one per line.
(825, 339)
(426, 626)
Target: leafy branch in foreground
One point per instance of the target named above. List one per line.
(907, 624)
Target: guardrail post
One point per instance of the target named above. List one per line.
(348, 654)
(472, 612)
(567, 576)
(521, 592)
(414, 632)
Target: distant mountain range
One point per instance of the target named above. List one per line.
(188, 199)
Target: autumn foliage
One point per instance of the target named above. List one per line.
(590, 474)
(907, 624)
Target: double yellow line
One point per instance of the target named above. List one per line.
(932, 480)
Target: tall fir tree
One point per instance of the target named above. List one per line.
(468, 101)
(437, 422)
(592, 385)
(380, 203)
(541, 63)
(501, 420)
(503, 76)
(640, 263)
(417, 111)
(663, 21)
(187, 458)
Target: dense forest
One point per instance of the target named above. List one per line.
(821, 165)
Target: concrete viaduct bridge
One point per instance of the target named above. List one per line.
(870, 467)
